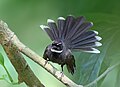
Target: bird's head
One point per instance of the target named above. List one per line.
(57, 47)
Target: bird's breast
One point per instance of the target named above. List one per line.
(57, 57)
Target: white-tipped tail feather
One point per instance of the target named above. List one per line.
(61, 18)
(98, 38)
(91, 23)
(43, 27)
(94, 51)
(95, 32)
(50, 20)
(98, 44)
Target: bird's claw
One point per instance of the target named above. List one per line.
(62, 75)
(46, 61)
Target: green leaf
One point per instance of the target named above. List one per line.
(2, 63)
(1, 59)
(9, 76)
(117, 84)
(5, 77)
(1, 78)
(90, 66)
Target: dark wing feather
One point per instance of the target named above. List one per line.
(70, 63)
(45, 56)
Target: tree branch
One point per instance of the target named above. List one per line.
(16, 58)
(12, 38)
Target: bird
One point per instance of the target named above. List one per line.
(67, 35)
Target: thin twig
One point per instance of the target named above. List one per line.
(35, 57)
(103, 74)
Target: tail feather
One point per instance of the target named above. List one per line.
(83, 28)
(92, 44)
(53, 28)
(86, 41)
(84, 49)
(93, 51)
(69, 22)
(48, 31)
(61, 23)
(78, 22)
(88, 50)
(84, 36)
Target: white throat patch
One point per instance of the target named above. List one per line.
(56, 51)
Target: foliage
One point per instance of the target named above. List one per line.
(1, 60)
(4, 76)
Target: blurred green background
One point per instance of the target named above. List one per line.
(25, 16)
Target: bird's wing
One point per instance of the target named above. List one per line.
(70, 63)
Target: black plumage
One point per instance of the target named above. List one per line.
(69, 34)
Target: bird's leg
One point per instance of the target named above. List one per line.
(62, 74)
(46, 61)
(62, 67)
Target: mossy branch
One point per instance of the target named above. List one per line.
(16, 58)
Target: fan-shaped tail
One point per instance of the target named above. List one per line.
(74, 33)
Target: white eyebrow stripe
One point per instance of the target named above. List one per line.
(59, 43)
(56, 51)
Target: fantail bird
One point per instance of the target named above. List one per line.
(67, 35)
